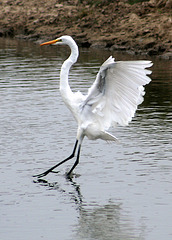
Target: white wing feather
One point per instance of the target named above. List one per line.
(117, 91)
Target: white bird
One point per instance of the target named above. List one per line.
(111, 100)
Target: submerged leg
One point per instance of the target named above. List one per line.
(52, 168)
(76, 162)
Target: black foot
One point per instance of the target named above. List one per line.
(69, 175)
(44, 174)
(70, 157)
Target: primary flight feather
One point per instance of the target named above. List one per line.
(111, 100)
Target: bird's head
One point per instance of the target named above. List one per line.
(64, 40)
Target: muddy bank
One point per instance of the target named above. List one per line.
(140, 28)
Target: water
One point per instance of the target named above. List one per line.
(119, 191)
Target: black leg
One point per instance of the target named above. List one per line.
(76, 162)
(52, 168)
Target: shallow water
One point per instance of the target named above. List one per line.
(118, 192)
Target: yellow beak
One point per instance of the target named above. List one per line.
(50, 42)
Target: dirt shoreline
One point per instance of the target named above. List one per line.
(142, 28)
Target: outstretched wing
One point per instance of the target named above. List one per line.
(117, 91)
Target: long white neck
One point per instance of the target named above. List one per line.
(64, 83)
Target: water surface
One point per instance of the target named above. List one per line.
(119, 191)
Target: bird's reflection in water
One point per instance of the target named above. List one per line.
(75, 194)
(105, 222)
(98, 222)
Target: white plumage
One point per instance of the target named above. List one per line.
(112, 99)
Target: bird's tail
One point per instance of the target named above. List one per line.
(108, 137)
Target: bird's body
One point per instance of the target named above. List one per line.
(112, 99)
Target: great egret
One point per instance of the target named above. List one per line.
(112, 99)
